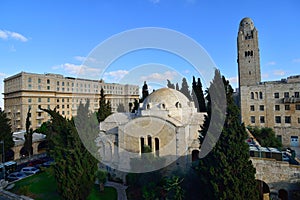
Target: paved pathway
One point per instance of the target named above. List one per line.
(121, 189)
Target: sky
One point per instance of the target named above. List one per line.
(60, 36)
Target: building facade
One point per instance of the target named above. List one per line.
(166, 122)
(25, 91)
(274, 104)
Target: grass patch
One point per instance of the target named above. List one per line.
(43, 187)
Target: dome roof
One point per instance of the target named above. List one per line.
(246, 23)
(167, 97)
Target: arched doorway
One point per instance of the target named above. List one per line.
(42, 147)
(24, 152)
(283, 194)
(195, 155)
(264, 190)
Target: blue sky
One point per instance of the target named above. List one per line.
(56, 36)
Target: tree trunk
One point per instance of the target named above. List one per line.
(101, 185)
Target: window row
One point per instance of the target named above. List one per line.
(286, 95)
(278, 119)
(248, 53)
(256, 95)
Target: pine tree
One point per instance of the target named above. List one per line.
(226, 172)
(5, 133)
(185, 89)
(198, 96)
(177, 87)
(104, 107)
(145, 92)
(170, 85)
(28, 135)
(75, 167)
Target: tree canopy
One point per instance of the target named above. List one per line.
(5, 132)
(198, 96)
(265, 136)
(75, 167)
(226, 172)
(104, 107)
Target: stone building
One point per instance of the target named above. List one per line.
(167, 122)
(28, 90)
(274, 104)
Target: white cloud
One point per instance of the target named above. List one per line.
(265, 75)
(233, 80)
(2, 74)
(279, 73)
(296, 60)
(115, 75)
(4, 34)
(271, 63)
(170, 75)
(78, 69)
(85, 59)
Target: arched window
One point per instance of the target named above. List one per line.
(163, 106)
(178, 105)
(142, 144)
(251, 53)
(148, 106)
(245, 53)
(260, 95)
(252, 95)
(156, 146)
(149, 141)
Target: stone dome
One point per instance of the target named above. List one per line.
(246, 23)
(166, 98)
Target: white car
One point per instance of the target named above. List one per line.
(30, 170)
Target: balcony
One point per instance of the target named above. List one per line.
(291, 100)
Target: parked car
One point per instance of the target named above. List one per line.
(30, 170)
(16, 176)
(48, 163)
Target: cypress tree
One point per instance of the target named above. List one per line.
(28, 135)
(226, 172)
(198, 96)
(185, 89)
(5, 133)
(104, 107)
(75, 167)
(145, 92)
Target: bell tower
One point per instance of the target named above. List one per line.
(248, 54)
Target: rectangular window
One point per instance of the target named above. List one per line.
(277, 107)
(48, 87)
(63, 106)
(297, 94)
(297, 106)
(48, 81)
(29, 100)
(286, 95)
(287, 107)
(261, 107)
(39, 80)
(48, 100)
(48, 106)
(29, 80)
(63, 112)
(57, 100)
(287, 119)
(278, 119)
(262, 119)
(62, 100)
(57, 89)
(260, 95)
(39, 87)
(29, 86)
(39, 100)
(276, 95)
(298, 120)
(63, 84)
(57, 82)
(252, 118)
(68, 106)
